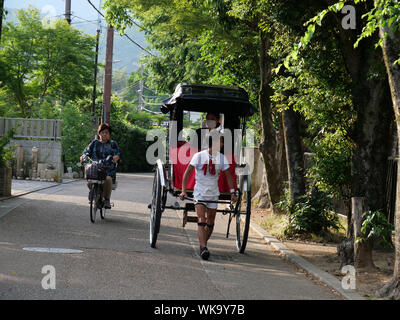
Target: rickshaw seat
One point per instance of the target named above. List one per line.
(179, 169)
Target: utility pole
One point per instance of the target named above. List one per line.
(1, 15)
(68, 11)
(95, 73)
(95, 124)
(141, 88)
(108, 76)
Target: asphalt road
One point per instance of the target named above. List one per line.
(117, 261)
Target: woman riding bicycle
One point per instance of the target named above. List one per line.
(100, 150)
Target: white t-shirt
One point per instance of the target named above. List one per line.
(207, 184)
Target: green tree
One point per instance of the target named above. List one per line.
(329, 79)
(76, 133)
(172, 28)
(40, 62)
(180, 29)
(385, 17)
(120, 78)
(372, 114)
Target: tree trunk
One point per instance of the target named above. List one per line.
(391, 51)
(371, 151)
(362, 250)
(350, 226)
(294, 154)
(270, 146)
(261, 197)
(371, 98)
(371, 132)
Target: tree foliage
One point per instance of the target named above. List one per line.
(41, 64)
(314, 79)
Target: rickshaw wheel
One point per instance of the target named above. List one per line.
(242, 229)
(155, 210)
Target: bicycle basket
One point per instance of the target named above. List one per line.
(95, 171)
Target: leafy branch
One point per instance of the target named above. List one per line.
(376, 227)
(384, 12)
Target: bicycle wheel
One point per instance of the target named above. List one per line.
(155, 210)
(101, 207)
(242, 227)
(93, 202)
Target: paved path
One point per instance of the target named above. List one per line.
(116, 260)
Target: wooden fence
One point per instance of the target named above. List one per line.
(32, 128)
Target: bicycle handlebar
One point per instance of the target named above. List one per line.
(87, 158)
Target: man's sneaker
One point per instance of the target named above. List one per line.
(107, 204)
(204, 253)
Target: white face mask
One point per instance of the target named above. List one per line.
(211, 124)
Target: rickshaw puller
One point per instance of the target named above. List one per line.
(208, 164)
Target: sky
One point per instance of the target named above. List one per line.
(85, 17)
(79, 8)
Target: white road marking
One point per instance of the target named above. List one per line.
(52, 250)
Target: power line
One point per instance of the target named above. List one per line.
(94, 7)
(126, 88)
(133, 21)
(137, 44)
(120, 32)
(97, 20)
(85, 22)
(152, 97)
(153, 112)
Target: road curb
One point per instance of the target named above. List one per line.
(36, 190)
(290, 255)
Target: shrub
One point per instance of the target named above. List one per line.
(375, 227)
(77, 132)
(331, 170)
(133, 145)
(311, 215)
(6, 152)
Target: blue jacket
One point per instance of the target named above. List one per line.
(98, 150)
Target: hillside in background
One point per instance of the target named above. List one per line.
(85, 18)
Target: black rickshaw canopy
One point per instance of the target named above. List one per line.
(205, 98)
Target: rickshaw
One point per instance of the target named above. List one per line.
(231, 102)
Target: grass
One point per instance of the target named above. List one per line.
(275, 225)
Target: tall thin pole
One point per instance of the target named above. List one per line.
(95, 72)
(141, 88)
(95, 124)
(1, 15)
(108, 75)
(68, 11)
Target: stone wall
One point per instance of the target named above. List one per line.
(49, 162)
(254, 158)
(259, 171)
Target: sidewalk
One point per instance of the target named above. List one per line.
(308, 267)
(21, 187)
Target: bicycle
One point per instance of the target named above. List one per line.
(96, 175)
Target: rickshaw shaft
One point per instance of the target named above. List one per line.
(183, 208)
